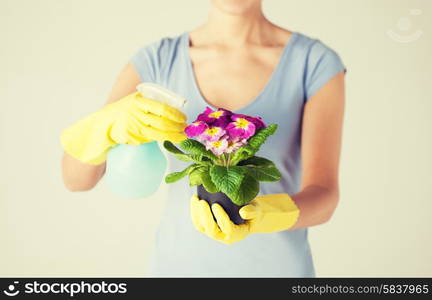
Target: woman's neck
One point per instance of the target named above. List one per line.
(250, 27)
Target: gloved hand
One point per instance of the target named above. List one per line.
(131, 120)
(264, 214)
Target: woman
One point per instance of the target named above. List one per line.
(240, 61)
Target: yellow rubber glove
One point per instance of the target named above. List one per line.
(270, 213)
(131, 120)
(265, 214)
(224, 230)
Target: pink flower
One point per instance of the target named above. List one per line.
(234, 145)
(240, 128)
(217, 147)
(257, 121)
(211, 134)
(196, 128)
(221, 122)
(218, 118)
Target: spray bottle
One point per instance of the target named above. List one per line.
(137, 171)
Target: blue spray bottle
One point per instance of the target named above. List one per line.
(137, 171)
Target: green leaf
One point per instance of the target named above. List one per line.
(248, 190)
(184, 157)
(170, 147)
(241, 154)
(196, 176)
(196, 157)
(254, 144)
(257, 161)
(264, 173)
(262, 169)
(261, 135)
(175, 176)
(201, 175)
(227, 179)
(208, 184)
(235, 182)
(195, 147)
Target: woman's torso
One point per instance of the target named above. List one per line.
(180, 250)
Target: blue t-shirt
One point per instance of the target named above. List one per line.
(305, 65)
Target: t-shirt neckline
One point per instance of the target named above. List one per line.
(270, 82)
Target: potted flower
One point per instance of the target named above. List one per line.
(221, 148)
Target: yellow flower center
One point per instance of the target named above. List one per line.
(196, 123)
(242, 123)
(217, 144)
(216, 114)
(212, 131)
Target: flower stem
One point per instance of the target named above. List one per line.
(223, 159)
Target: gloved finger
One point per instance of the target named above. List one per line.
(159, 135)
(196, 213)
(158, 122)
(122, 133)
(249, 212)
(160, 109)
(136, 140)
(210, 226)
(223, 220)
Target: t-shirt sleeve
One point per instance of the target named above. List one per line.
(323, 64)
(145, 61)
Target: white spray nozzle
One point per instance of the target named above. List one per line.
(161, 94)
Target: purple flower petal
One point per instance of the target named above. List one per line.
(257, 121)
(204, 115)
(241, 128)
(222, 121)
(217, 147)
(227, 112)
(219, 117)
(196, 128)
(212, 133)
(234, 145)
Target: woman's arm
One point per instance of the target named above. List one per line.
(321, 146)
(78, 176)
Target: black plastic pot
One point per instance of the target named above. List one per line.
(230, 208)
